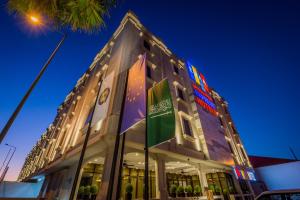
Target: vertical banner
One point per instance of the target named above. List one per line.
(135, 102)
(103, 99)
(161, 117)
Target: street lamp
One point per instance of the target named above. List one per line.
(6, 157)
(34, 20)
(6, 167)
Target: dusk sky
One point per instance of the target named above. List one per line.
(248, 51)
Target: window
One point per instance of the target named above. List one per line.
(146, 45)
(176, 70)
(186, 127)
(149, 69)
(180, 93)
(220, 183)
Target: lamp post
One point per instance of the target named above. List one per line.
(6, 167)
(5, 159)
(35, 20)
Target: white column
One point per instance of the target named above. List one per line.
(106, 174)
(161, 178)
(202, 178)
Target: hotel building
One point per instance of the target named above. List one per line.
(206, 151)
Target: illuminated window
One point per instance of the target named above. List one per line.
(187, 127)
(146, 45)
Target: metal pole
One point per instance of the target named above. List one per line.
(86, 139)
(32, 86)
(121, 167)
(15, 148)
(4, 174)
(6, 167)
(116, 149)
(146, 174)
(5, 159)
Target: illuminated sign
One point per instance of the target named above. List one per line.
(245, 174)
(201, 90)
(251, 176)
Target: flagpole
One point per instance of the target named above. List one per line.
(146, 174)
(86, 139)
(121, 166)
(116, 149)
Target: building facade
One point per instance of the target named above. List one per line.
(206, 152)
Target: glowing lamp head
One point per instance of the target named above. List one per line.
(34, 19)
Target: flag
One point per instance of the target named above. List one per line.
(160, 116)
(103, 100)
(135, 101)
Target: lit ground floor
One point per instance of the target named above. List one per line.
(171, 175)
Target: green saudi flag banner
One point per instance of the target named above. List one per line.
(160, 115)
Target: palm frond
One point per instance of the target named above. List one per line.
(79, 15)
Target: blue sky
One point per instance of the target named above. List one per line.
(248, 51)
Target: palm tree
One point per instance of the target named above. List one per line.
(79, 15)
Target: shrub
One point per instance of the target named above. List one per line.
(180, 191)
(94, 189)
(173, 189)
(129, 188)
(211, 187)
(189, 190)
(217, 190)
(197, 190)
(81, 190)
(87, 190)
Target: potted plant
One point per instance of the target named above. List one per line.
(87, 192)
(173, 189)
(128, 191)
(80, 192)
(217, 190)
(180, 191)
(197, 190)
(94, 191)
(189, 190)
